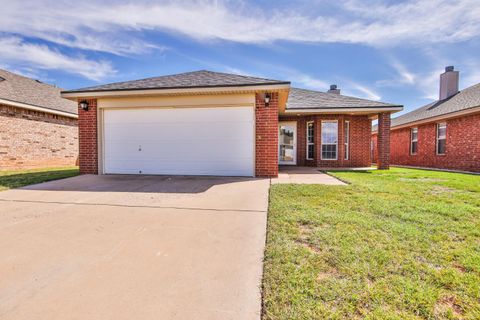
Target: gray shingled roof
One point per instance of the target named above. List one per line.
(195, 79)
(465, 99)
(17, 88)
(309, 99)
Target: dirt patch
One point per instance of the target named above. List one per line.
(326, 275)
(422, 180)
(436, 190)
(447, 305)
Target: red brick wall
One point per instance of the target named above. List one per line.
(32, 139)
(462, 150)
(266, 132)
(383, 141)
(87, 134)
(359, 147)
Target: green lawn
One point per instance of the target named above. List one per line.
(20, 178)
(397, 244)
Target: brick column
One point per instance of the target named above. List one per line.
(87, 138)
(383, 141)
(266, 136)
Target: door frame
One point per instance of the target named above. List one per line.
(294, 162)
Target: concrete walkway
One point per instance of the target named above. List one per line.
(304, 175)
(133, 247)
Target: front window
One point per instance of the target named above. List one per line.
(329, 140)
(347, 139)
(414, 141)
(441, 138)
(310, 140)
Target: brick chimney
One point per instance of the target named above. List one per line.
(334, 89)
(448, 83)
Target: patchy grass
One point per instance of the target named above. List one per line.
(20, 178)
(397, 244)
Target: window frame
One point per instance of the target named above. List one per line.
(308, 143)
(440, 124)
(329, 144)
(346, 140)
(412, 141)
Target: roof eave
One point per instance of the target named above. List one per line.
(363, 110)
(37, 108)
(276, 86)
(444, 116)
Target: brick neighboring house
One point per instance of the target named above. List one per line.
(38, 128)
(444, 134)
(211, 123)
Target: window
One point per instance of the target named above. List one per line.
(441, 138)
(347, 138)
(414, 141)
(310, 140)
(329, 140)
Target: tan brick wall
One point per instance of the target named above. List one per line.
(32, 139)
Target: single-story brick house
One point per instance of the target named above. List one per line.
(38, 128)
(210, 123)
(444, 134)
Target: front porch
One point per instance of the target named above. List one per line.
(332, 140)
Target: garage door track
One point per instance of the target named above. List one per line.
(133, 247)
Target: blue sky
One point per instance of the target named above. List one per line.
(391, 51)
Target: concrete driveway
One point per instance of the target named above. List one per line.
(133, 247)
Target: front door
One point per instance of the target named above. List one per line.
(287, 143)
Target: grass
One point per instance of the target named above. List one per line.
(397, 244)
(20, 178)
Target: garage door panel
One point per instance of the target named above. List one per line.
(166, 131)
(190, 141)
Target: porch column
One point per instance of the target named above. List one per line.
(383, 141)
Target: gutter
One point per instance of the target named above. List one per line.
(175, 90)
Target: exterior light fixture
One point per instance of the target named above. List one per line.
(267, 99)
(84, 105)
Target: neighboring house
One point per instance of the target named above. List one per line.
(38, 128)
(210, 123)
(444, 134)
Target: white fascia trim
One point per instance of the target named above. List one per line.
(150, 92)
(344, 110)
(36, 108)
(438, 118)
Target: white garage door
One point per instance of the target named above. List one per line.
(180, 141)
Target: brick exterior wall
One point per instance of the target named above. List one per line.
(462, 149)
(359, 144)
(383, 141)
(33, 139)
(266, 135)
(87, 134)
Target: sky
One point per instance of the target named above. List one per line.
(392, 51)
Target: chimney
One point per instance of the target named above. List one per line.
(448, 83)
(334, 89)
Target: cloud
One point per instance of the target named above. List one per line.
(15, 50)
(114, 26)
(362, 91)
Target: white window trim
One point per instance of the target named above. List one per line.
(412, 141)
(346, 140)
(310, 143)
(321, 141)
(437, 138)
